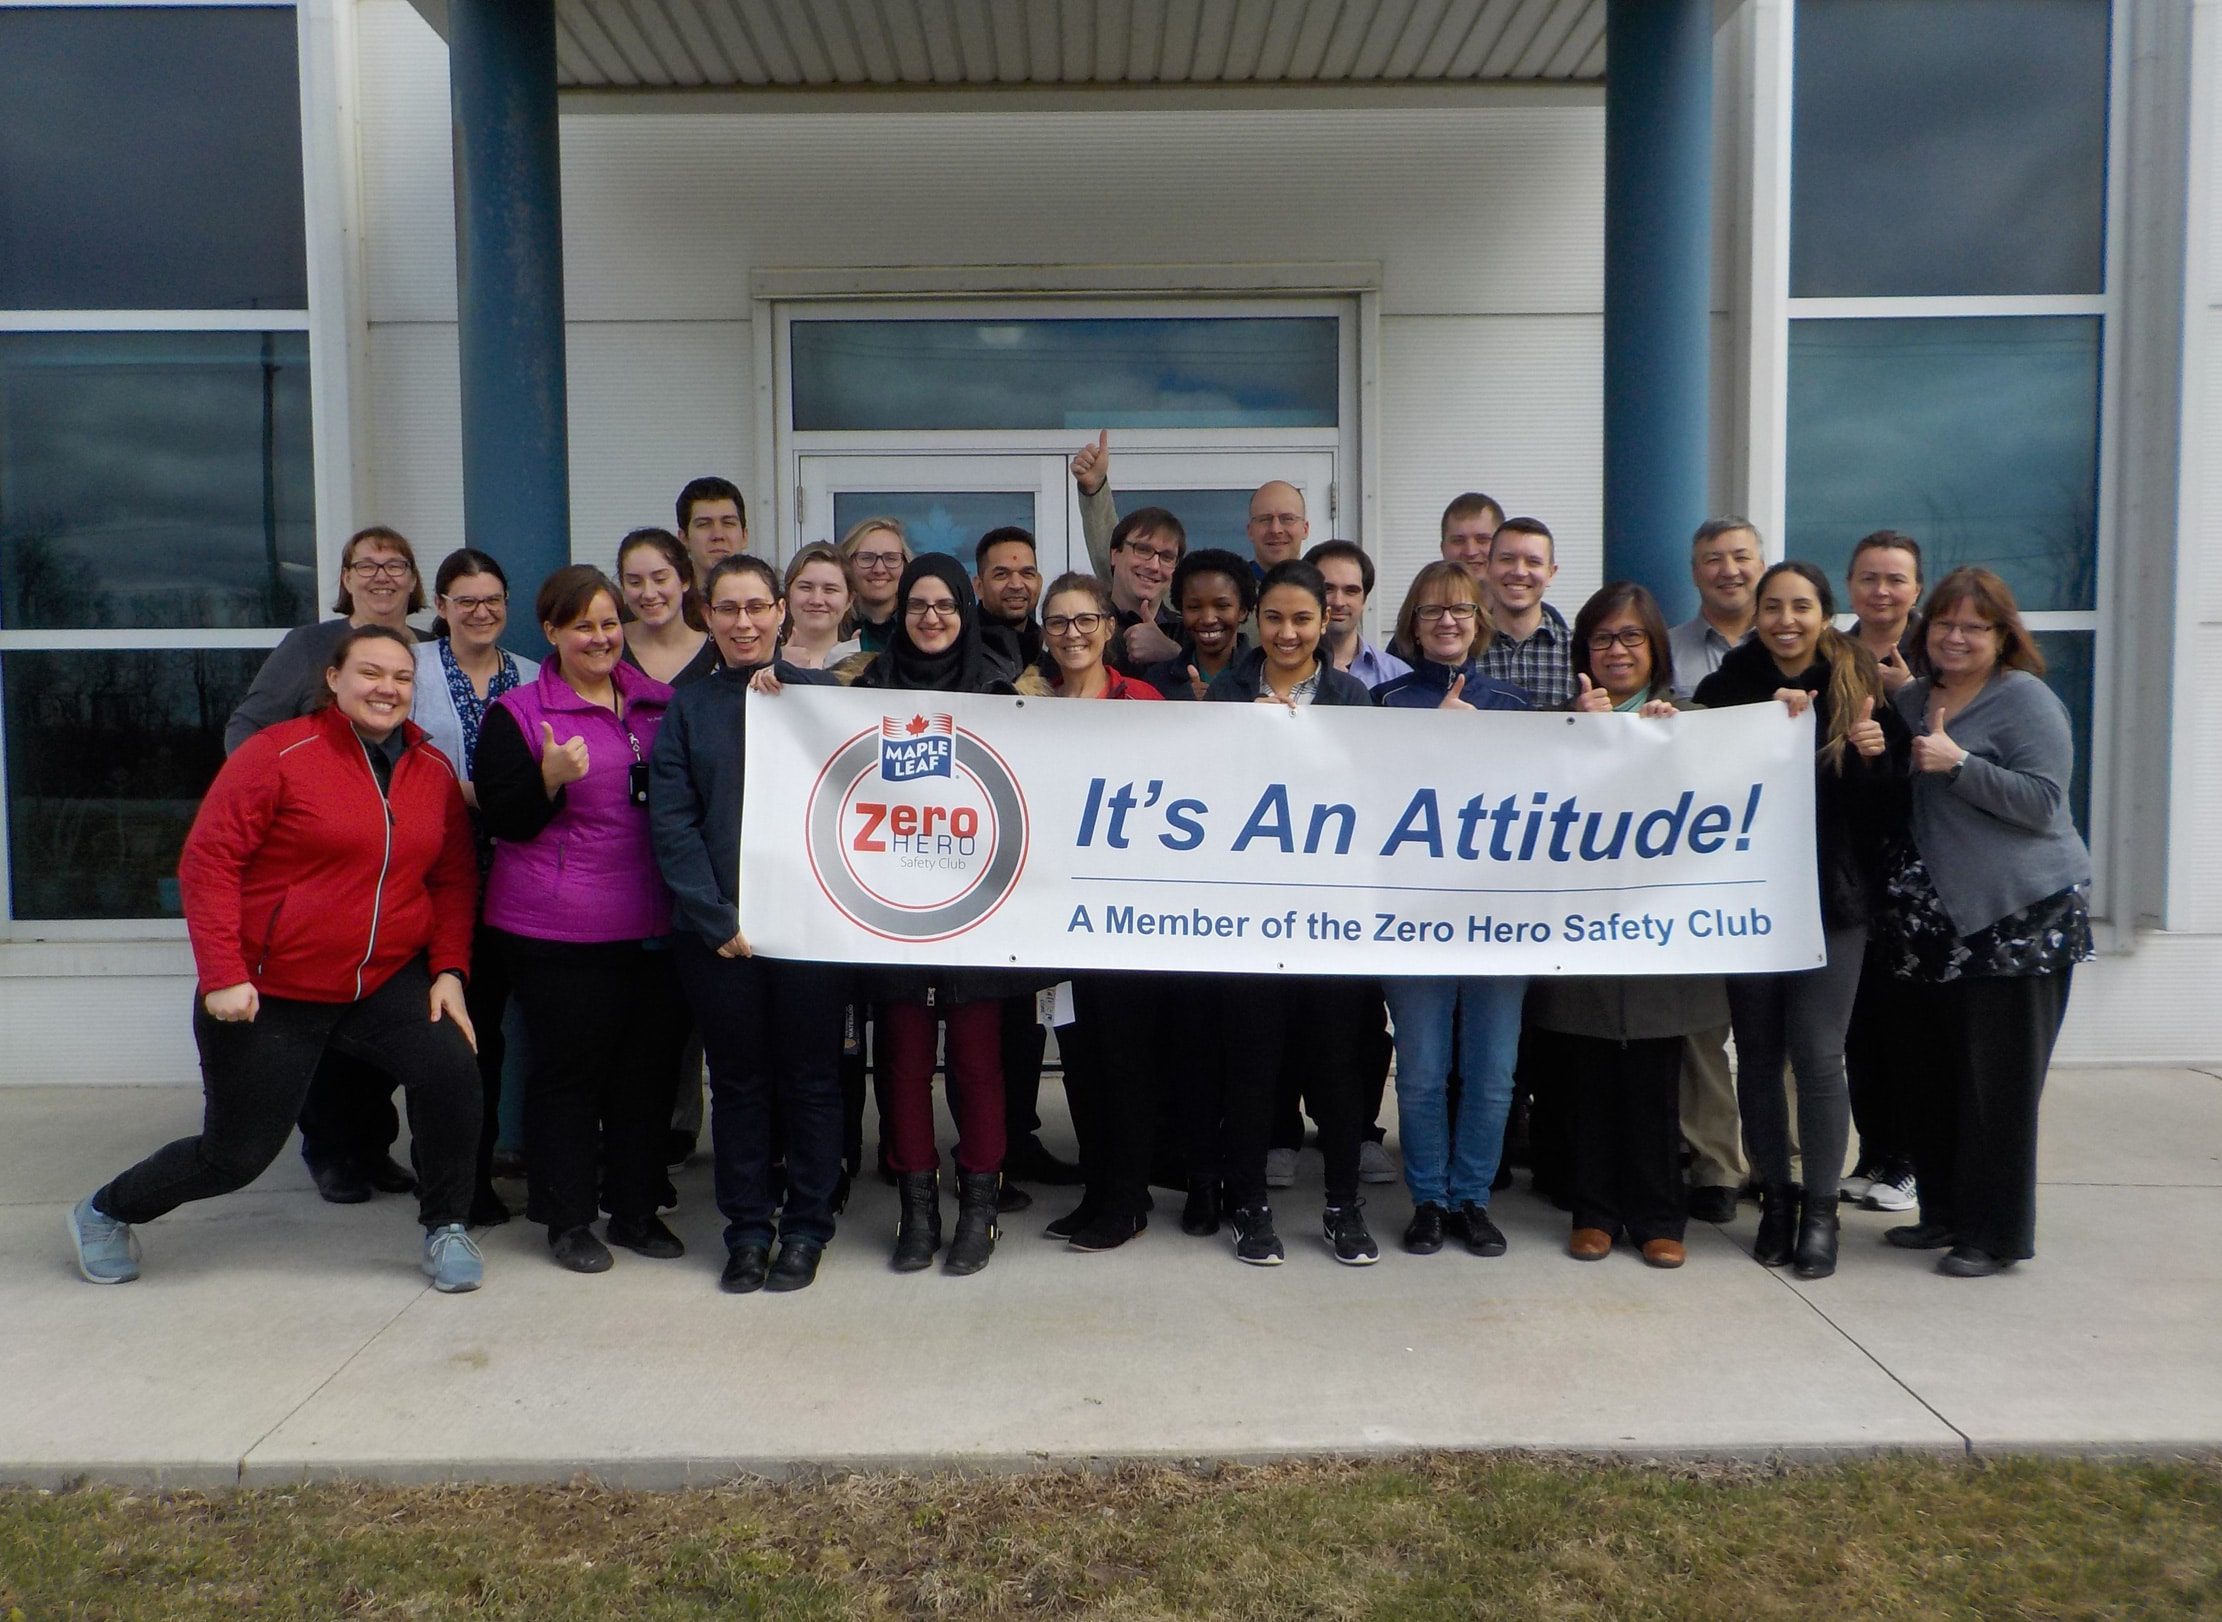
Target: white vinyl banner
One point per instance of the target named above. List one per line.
(969, 831)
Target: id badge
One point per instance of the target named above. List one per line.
(638, 782)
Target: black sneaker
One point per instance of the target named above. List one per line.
(646, 1236)
(1255, 1241)
(1071, 1222)
(1345, 1227)
(1483, 1237)
(1424, 1235)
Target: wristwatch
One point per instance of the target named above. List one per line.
(1958, 766)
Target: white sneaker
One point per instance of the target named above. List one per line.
(1892, 1193)
(1374, 1164)
(1280, 1168)
(1854, 1187)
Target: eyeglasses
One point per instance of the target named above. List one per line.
(391, 569)
(1457, 613)
(1085, 624)
(945, 609)
(879, 562)
(1166, 556)
(1965, 630)
(1634, 637)
(755, 608)
(477, 605)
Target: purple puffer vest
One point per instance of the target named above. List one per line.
(591, 874)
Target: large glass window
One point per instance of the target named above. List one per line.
(1979, 437)
(1080, 374)
(155, 479)
(950, 521)
(150, 158)
(1948, 147)
(109, 752)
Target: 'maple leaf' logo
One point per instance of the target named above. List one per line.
(917, 725)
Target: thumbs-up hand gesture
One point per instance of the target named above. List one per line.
(1451, 700)
(1796, 699)
(1934, 750)
(1196, 683)
(1590, 698)
(1866, 733)
(560, 763)
(1091, 464)
(1895, 674)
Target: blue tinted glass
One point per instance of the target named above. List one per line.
(950, 521)
(155, 479)
(1977, 437)
(1211, 517)
(150, 158)
(109, 753)
(1083, 375)
(2069, 660)
(1940, 147)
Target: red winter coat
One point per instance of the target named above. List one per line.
(301, 877)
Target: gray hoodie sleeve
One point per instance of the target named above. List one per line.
(1099, 516)
(287, 684)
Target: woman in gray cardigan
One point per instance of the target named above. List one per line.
(1988, 914)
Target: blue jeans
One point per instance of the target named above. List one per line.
(1449, 1161)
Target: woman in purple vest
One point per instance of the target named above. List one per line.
(577, 906)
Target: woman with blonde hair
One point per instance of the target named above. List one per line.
(819, 595)
(876, 553)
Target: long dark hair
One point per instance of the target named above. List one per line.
(1853, 672)
(675, 554)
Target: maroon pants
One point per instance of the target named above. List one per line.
(975, 1083)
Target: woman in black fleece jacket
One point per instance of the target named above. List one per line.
(1797, 656)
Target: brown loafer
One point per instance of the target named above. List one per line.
(1664, 1252)
(1589, 1245)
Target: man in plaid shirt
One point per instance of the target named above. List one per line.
(1532, 647)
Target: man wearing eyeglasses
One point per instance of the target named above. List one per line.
(1725, 565)
(1146, 547)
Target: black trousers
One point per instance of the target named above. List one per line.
(1114, 1076)
(1874, 1052)
(1625, 1123)
(771, 1029)
(1024, 1045)
(348, 1117)
(606, 1021)
(1543, 1076)
(1308, 1023)
(255, 1075)
(1988, 1044)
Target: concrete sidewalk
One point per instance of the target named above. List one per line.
(276, 1338)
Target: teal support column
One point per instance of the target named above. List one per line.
(1658, 289)
(509, 293)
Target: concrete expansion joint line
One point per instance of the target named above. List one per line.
(1782, 1280)
(346, 1363)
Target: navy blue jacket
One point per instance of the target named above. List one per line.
(1423, 687)
(1242, 681)
(694, 801)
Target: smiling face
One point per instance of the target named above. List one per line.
(476, 608)
(1724, 569)
(745, 618)
(1521, 569)
(1211, 615)
(1346, 597)
(1447, 623)
(587, 649)
(1290, 620)
(817, 600)
(1076, 630)
(1884, 583)
(379, 579)
(714, 531)
(651, 585)
(1143, 567)
(1791, 620)
(1009, 582)
(1620, 655)
(930, 615)
(878, 561)
(1278, 527)
(374, 686)
(1963, 644)
(1466, 540)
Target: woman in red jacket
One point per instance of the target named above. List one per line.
(330, 891)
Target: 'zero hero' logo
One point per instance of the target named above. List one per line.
(917, 829)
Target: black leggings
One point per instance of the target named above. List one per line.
(255, 1074)
(1273, 1023)
(1114, 1073)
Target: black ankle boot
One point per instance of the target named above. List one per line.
(974, 1241)
(919, 1236)
(1816, 1253)
(1778, 1225)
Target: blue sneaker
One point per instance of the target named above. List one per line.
(107, 1250)
(452, 1261)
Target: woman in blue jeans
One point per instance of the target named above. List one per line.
(1450, 1150)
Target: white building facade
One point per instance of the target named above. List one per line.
(1967, 283)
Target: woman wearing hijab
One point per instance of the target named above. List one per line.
(933, 646)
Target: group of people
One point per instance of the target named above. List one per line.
(411, 833)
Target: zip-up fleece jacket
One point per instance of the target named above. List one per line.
(303, 878)
(1242, 681)
(578, 868)
(1423, 686)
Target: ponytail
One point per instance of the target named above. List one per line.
(1853, 675)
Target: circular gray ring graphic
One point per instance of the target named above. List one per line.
(953, 917)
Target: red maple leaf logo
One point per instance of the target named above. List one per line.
(916, 726)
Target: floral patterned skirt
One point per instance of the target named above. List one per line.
(1920, 944)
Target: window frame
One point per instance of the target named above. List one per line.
(323, 35)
